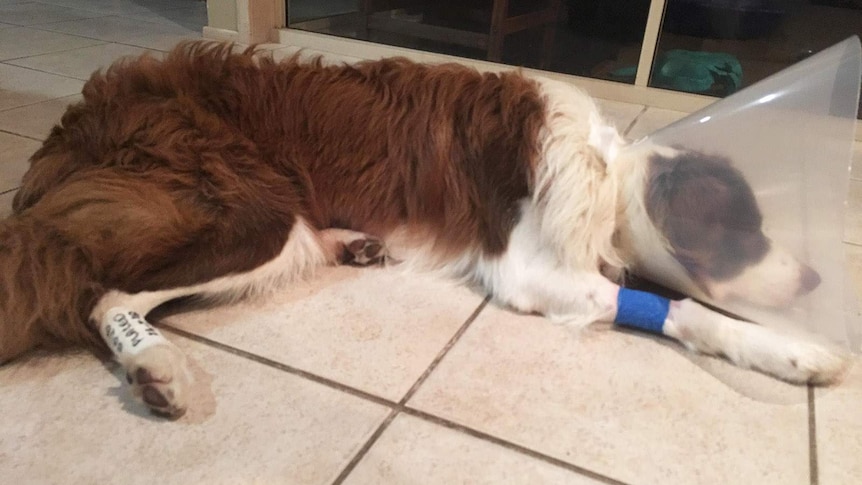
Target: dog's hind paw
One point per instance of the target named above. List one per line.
(160, 377)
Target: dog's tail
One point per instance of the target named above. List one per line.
(47, 287)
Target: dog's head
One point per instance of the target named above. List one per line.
(709, 216)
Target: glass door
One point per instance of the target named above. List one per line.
(592, 38)
(716, 47)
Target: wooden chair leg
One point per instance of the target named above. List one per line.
(550, 31)
(496, 36)
(365, 9)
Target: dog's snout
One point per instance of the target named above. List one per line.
(809, 280)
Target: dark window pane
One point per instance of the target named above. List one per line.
(584, 37)
(717, 47)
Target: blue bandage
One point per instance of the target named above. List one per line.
(641, 310)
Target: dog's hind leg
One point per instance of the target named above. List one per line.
(158, 371)
(44, 279)
(109, 239)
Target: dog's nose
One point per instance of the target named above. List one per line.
(809, 279)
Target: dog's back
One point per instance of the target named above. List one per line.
(370, 146)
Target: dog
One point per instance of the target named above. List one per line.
(219, 174)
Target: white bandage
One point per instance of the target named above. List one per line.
(127, 333)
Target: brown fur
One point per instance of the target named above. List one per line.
(167, 170)
(708, 213)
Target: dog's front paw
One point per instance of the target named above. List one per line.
(804, 362)
(160, 377)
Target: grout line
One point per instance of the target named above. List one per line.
(155, 31)
(47, 72)
(95, 15)
(812, 439)
(44, 100)
(19, 134)
(9, 191)
(400, 406)
(284, 367)
(511, 446)
(365, 447)
(61, 51)
(632, 124)
(434, 363)
(851, 243)
(396, 407)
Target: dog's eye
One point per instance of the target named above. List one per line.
(747, 247)
(757, 244)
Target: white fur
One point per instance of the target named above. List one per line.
(752, 346)
(530, 277)
(773, 282)
(577, 198)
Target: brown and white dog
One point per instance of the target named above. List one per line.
(218, 174)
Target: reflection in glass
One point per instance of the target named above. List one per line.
(717, 47)
(582, 37)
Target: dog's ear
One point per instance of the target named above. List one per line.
(697, 202)
(659, 184)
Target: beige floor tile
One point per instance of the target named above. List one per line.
(161, 42)
(653, 119)
(36, 120)
(328, 57)
(23, 42)
(853, 214)
(626, 406)
(80, 63)
(33, 13)
(15, 153)
(622, 114)
(839, 430)
(20, 86)
(69, 420)
(415, 452)
(112, 29)
(123, 7)
(190, 18)
(374, 329)
(6, 204)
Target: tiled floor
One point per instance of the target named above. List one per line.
(370, 377)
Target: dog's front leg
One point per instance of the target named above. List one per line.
(529, 277)
(585, 298)
(752, 346)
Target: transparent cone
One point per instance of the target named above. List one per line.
(791, 135)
